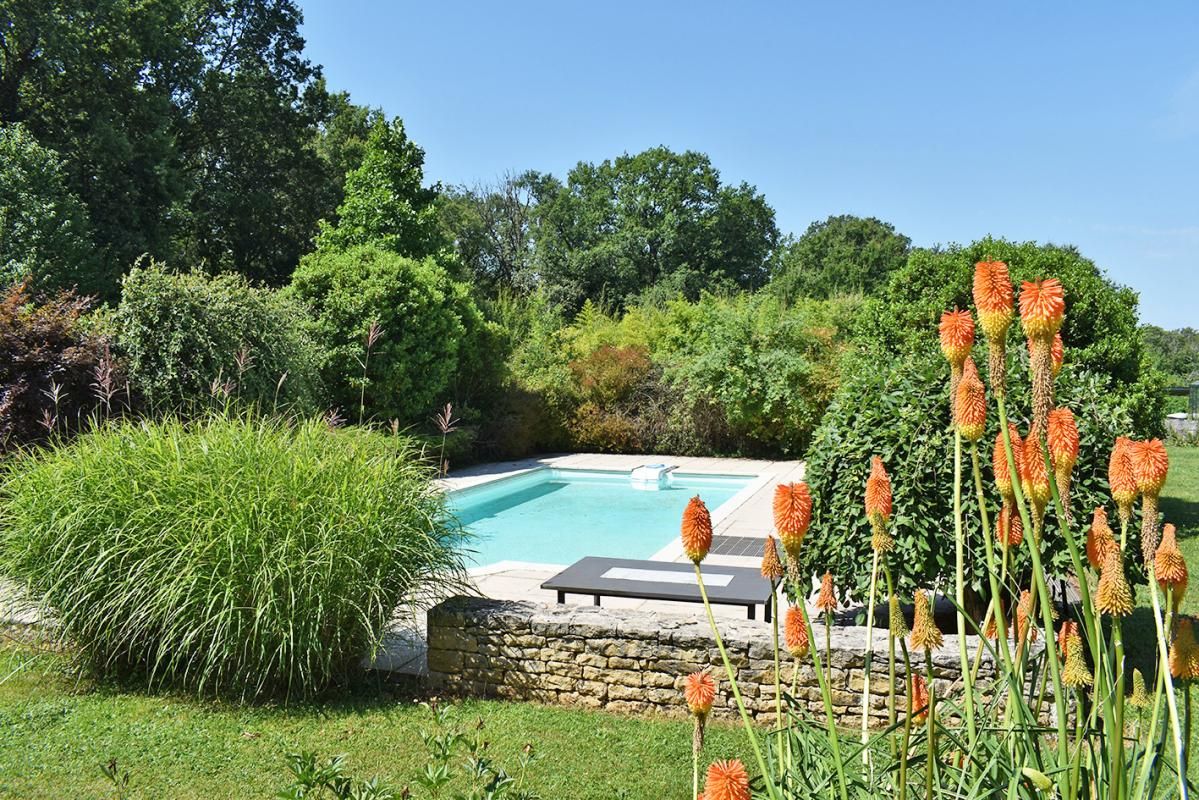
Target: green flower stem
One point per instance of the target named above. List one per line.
(907, 723)
(890, 661)
(1150, 756)
(728, 666)
(778, 681)
(1034, 549)
(959, 536)
(1117, 733)
(931, 754)
(695, 763)
(834, 739)
(868, 658)
(1163, 651)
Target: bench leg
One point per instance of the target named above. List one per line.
(752, 610)
(561, 597)
(597, 597)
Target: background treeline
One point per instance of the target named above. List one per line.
(189, 216)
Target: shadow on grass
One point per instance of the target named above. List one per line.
(1184, 513)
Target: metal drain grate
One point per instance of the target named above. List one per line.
(750, 546)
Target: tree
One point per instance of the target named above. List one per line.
(385, 204)
(843, 254)
(43, 226)
(1175, 352)
(620, 227)
(341, 143)
(492, 229)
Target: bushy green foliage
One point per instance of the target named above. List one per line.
(899, 411)
(187, 336)
(432, 341)
(234, 556)
(55, 373)
(44, 232)
(841, 255)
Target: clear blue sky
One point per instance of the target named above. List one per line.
(1076, 123)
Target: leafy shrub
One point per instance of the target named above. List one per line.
(54, 371)
(184, 332)
(432, 333)
(899, 411)
(839, 255)
(608, 375)
(234, 556)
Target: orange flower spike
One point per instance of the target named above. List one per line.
(795, 633)
(970, 409)
(999, 464)
(1168, 564)
(696, 530)
(1042, 308)
(1100, 539)
(1184, 652)
(1113, 596)
(993, 298)
(1069, 628)
(878, 492)
(1075, 673)
(1010, 530)
(1024, 620)
(920, 698)
(727, 780)
(792, 515)
(1035, 479)
(1150, 463)
(957, 336)
(1121, 477)
(1058, 353)
(826, 601)
(772, 567)
(1062, 438)
(925, 633)
(699, 690)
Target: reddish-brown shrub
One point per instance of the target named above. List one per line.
(54, 373)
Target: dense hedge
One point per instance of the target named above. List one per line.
(231, 556)
(188, 336)
(898, 410)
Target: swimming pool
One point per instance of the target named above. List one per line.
(557, 516)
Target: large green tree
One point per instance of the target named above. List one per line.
(44, 233)
(621, 226)
(842, 254)
(386, 204)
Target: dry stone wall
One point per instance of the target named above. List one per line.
(635, 661)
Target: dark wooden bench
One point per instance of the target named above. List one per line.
(662, 580)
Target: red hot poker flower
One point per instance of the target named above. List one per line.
(1042, 308)
(696, 530)
(957, 336)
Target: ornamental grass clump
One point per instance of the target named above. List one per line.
(1049, 717)
(233, 556)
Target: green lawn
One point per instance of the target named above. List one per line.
(55, 733)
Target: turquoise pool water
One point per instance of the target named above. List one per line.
(557, 516)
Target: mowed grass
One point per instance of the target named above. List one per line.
(56, 732)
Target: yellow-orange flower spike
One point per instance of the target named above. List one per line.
(920, 698)
(957, 336)
(993, 298)
(999, 463)
(1184, 652)
(772, 567)
(1069, 628)
(1010, 528)
(1058, 353)
(1140, 696)
(925, 633)
(897, 626)
(1075, 673)
(1042, 308)
(1121, 477)
(1150, 463)
(1025, 628)
(970, 408)
(1169, 565)
(878, 491)
(1035, 478)
(696, 530)
(826, 601)
(1113, 596)
(1100, 539)
(699, 690)
(727, 780)
(1062, 439)
(795, 633)
(792, 514)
